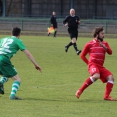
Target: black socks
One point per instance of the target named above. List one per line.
(55, 33)
(75, 47)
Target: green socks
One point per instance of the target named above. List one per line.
(3, 80)
(15, 87)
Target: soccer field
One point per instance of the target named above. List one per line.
(52, 92)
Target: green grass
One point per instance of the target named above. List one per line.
(52, 92)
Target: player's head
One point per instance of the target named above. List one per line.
(72, 12)
(53, 13)
(16, 31)
(99, 33)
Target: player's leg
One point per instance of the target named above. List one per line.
(94, 72)
(4, 61)
(8, 70)
(109, 87)
(87, 83)
(12, 73)
(106, 76)
(2, 81)
(15, 87)
(1, 88)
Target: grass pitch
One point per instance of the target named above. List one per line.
(52, 92)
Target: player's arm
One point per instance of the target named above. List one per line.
(109, 50)
(29, 55)
(106, 47)
(84, 53)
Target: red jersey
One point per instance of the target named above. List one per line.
(96, 52)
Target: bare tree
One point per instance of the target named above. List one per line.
(13, 7)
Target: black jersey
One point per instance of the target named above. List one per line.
(53, 19)
(72, 22)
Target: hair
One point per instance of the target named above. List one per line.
(72, 9)
(16, 31)
(97, 31)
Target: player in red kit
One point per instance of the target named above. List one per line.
(97, 48)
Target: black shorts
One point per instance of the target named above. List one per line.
(55, 26)
(73, 33)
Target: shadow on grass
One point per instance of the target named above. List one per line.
(66, 100)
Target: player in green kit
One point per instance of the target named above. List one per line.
(8, 47)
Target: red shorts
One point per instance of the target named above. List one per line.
(104, 73)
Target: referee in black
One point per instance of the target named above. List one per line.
(53, 23)
(72, 21)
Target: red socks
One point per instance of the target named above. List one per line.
(86, 84)
(109, 87)
(89, 81)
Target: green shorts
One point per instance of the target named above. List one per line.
(6, 67)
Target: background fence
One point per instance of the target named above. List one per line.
(41, 25)
(86, 9)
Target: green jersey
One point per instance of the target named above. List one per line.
(10, 45)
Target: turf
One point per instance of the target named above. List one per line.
(52, 92)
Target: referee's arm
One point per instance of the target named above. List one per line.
(79, 22)
(65, 21)
(51, 21)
